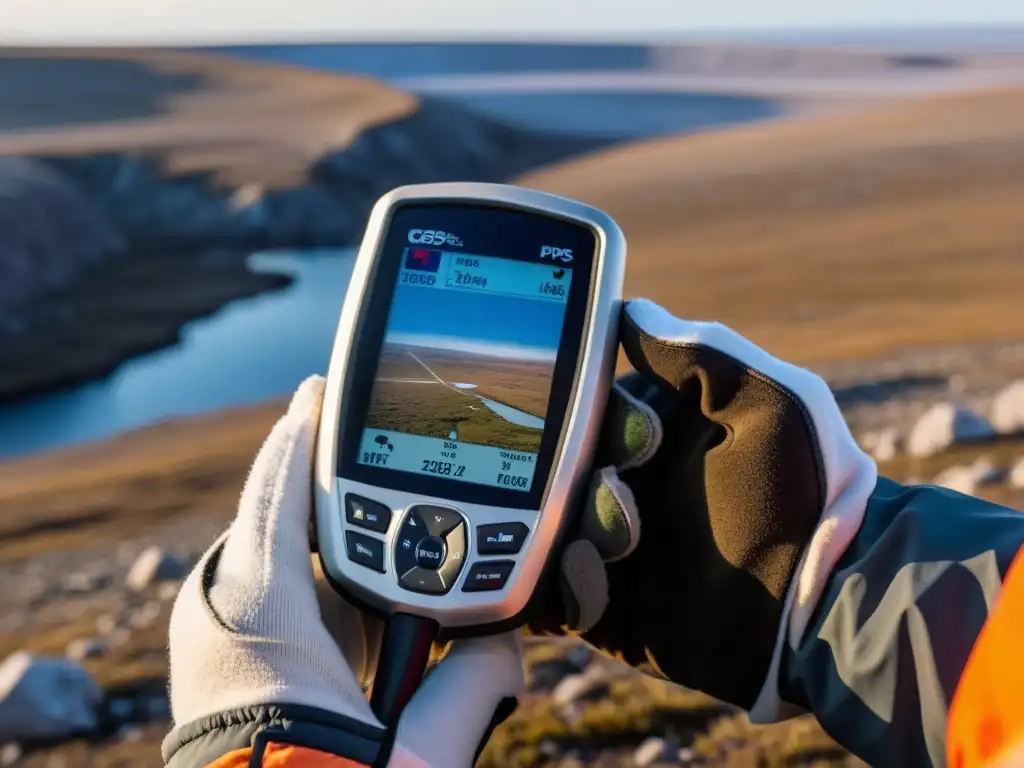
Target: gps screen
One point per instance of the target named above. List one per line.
(464, 375)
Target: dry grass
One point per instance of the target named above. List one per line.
(835, 237)
(173, 472)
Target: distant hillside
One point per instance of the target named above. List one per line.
(843, 236)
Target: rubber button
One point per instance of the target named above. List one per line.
(430, 553)
(488, 576)
(455, 543)
(500, 538)
(366, 513)
(423, 580)
(438, 520)
(365, 550)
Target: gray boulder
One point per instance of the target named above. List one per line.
(45, 698)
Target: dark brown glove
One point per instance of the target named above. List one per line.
(747, 466)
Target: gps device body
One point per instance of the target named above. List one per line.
(474, 354)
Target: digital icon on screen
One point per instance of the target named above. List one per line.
(423, 260)
(558, 274)
(383, 442)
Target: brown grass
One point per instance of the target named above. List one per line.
(242, 121)
(836, 237)
(130, 485)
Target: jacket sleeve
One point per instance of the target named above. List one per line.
(295, 736)
(882, 659)
(274, 736)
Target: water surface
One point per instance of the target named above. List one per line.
(250, 351)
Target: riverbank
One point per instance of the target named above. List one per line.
(190, 161)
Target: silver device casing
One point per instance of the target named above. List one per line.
(569, 471)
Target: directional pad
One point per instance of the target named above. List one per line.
(430, 549)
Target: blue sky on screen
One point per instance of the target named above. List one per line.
(508, 326)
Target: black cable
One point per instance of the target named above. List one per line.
(404, 655)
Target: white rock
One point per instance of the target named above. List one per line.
(152, 566)
(959, 478)
(883, 444)
(1008, 409)
(45, 698)
(942, 426)
(987, 473)
(650, 751)
(85, 648)
(1016, 478)
(106, 624)
(10, 754)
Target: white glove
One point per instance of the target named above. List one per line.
(246, 629)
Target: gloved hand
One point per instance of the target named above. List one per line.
(248, 649)
(747, 487)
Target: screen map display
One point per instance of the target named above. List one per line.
(464, 376)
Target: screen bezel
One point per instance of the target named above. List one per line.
(486, 229)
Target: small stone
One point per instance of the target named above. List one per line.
(1008, 409)
(85, 648)
(81, 583)
(579, 656)
(119, 637)
(943, 425)
(106, 624)
(549, 748)
(129, 733)
(10, 754)
(145, 616)
(960, 479)
(883, 445)
(1016, 477)
(987, 473)
(650, 751)
(152, 566)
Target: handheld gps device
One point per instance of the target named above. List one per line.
(474, 354)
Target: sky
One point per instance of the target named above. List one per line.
(227, 21)
(506, 326)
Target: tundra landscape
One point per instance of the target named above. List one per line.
(869, 228)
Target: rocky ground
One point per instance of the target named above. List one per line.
(91, 559)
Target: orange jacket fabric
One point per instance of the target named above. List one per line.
(986, 718)
(285, 756)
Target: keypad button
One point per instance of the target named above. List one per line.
(365, 550)
(455, 544)
(410, 535)
(430, 553)
(423, 580)
(500, 538)
(366, 513)
(488, 576)
(437, 520)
